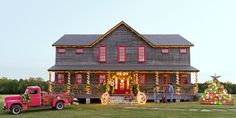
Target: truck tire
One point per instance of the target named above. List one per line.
(16, 109)
(59, 105)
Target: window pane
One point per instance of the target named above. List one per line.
(102, 78)
(78, 51)
(122, 54)
(102, 51)
(141, 54)
(183, 50)
(165, 50)
(61, 50)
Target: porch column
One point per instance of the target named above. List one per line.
(157, 78)
(68, 83)
(88, 83)
(108, 76)
(196, 84)
(177, 83)
(50, 82)
(136, 77)
(88, 78)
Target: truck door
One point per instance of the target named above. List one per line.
(36, 97)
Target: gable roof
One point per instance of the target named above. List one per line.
(154, 40)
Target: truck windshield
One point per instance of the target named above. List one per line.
(27, 91)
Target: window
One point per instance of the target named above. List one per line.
(102, 54)
(60, 78)
(183, 50)
(184, 79)
(33, 92)
(101, 78)
(141, 79)
(78, 79)
(165, 79)
(165, 50)
(79, 51)
(61, 50)
(122, 54)
(141, 54)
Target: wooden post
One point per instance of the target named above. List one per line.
(88, 78)
(50, 82)
(68, 83)
(136, 77)
(177, 78)
(157, 78)
(88, 83)
(177, 84)
(108, 76)
(196, 84)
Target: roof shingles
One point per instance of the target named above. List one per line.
(156, 39)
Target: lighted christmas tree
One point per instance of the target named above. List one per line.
(216, 94)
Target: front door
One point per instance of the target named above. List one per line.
(121, 85)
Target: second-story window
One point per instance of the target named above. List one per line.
(183, 50)
(61, 50)
(102, 54)
(79, 50)
(165, 50)
(141, 54)
(122, 54)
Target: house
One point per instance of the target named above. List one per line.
(84, 62)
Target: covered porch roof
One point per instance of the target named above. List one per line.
(123, 67)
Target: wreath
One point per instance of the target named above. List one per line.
(26, 98)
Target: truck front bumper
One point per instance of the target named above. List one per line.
(3, 107)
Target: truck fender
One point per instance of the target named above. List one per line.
(55, 100)
(24, 106)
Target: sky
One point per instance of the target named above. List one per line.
(28, 28)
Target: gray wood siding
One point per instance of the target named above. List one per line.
(123, 36)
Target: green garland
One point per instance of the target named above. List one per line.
(136, 89)
(26, 98)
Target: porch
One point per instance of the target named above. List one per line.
(92, 86)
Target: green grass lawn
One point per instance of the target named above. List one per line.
(149, 110)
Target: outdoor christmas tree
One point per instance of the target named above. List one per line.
(216, 94)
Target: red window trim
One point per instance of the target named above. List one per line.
(165, 52)
(144, 79)
(61, 52)
(122, 46)
(162, 79)
(181, 79)
(79, 52)
(183, 52)
(76, 79)
(63, 79)
(144, 55)
(99, 77)
(99, 58)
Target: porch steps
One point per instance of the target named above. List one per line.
(121, 100)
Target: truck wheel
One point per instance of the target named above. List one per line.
(16, 109)
(59, 105)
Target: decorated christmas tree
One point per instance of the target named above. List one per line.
(216, 94)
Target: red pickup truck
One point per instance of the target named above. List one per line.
(34, 97)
